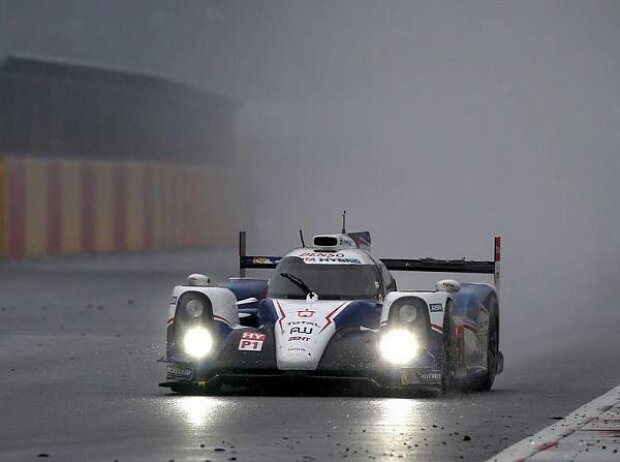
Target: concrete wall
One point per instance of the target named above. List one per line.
(69, 206)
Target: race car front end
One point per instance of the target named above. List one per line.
(301, 341)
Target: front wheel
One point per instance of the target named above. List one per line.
(447, 357)
(486, 381)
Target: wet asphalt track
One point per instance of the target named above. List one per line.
(79, 339)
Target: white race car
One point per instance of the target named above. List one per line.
(332, 311)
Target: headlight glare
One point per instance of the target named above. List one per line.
(197, 342)
(194, 308)
(407, 313)
(399, 346)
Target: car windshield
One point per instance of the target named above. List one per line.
(328, 281)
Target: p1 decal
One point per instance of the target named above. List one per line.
(436, 307)
(251, 341)
(306, 313)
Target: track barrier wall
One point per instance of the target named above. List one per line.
(50, 207)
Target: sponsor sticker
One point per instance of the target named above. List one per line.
(436, 307)
(174, 300)
(333, 260)
(178, 372)
(252, 341)
(254, 336)
(306, 313)
(329, 257)
(250, 345)
(265, 261)
(408, 377)
(411, 376)
(301, 330)
(303, 323)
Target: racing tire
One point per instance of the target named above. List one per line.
(447, 356)
(485, 383)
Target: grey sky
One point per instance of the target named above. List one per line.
(436, 124)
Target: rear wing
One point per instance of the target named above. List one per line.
(432, 265)
(429, 265)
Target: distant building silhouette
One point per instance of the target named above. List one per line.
(57, 108)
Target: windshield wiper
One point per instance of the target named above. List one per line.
(298, 282)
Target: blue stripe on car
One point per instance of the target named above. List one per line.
(359, 314)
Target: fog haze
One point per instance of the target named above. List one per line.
(436, 125)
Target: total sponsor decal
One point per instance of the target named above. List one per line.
(252, 341)
(303, 323)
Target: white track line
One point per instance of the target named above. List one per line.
(591, 433)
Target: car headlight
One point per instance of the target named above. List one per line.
(197, 342)
(194, 308)
(399, 346)
(407, 313)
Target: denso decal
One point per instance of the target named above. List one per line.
(252, 341)
(328, 257)
(436, 307)
(303, 339)
(320, 254)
